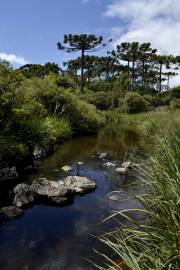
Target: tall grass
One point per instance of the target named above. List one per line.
(155, 243)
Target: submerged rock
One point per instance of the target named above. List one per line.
(11, 212)
(9, 173)
(115, 196)
(122, 170)
(66, 168)
(78, 184)
(55, 192)
(109, 165)
(23, 195)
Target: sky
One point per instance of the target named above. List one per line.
(30, 29)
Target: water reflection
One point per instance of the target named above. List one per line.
(50, 238)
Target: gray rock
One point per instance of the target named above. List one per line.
(23, 195)
(55, 192)
(103, 155)
(9, 173)
(66, 168)
(78, 184)
(127, 164)
(122, 170)
(109, 165)
(80, 163)
(39, 153)
(11, 212)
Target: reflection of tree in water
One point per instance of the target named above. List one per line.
(119, 142)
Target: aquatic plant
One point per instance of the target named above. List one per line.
(155, 242)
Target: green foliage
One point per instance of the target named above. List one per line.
(54, 129)
(65, 82)
(153, 243)
(133, 103)
(102, 100)
(85, 117)
(175, 103)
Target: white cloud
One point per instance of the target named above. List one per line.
(13, 59)
(154, 21)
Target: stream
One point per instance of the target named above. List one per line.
(55, 238)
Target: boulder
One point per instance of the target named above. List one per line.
(54, 192)
(9, 173)
(109, 165)
(11, 212)
(66, 168)
(23, 195)
(79, 184)
(122, 170)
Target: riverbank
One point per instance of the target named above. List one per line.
(154, 244)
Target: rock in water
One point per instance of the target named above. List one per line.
(122, 170)
(80, 163)
(109, 165)
(103, 155)
(11, 212)
(127, 164)
(23, 195)
(9, 173)
(54, 192)
(78, 184)
(66, 168)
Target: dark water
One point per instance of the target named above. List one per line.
(54, 238)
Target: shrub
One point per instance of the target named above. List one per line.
(133, 103)
(53, 129)
(153, 244)
(85, 117)
(102, 100)
(175, 103)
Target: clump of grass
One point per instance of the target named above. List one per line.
(155, 244)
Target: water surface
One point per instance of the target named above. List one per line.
(55, 238)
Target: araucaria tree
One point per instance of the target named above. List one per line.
(84, 43)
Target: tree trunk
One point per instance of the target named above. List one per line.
(160, 78)
(107, 70)
(82, 71)
(132, 85)
(128, 75)
(143, 74)
(168, 79)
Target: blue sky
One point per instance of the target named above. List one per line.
(30, 29)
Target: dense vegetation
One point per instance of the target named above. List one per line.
(152, 242)
(42, 105)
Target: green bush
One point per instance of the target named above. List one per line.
(43, 132)
(175, 103)
(153, 100)
(84, 117)
(102, 100)
(53, 129)
(133, 103)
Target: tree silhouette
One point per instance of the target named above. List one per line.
(84, 43)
